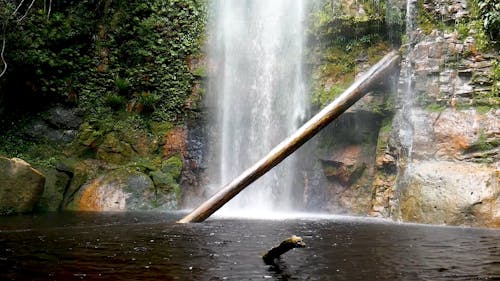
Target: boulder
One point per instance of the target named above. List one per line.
(81, 172)
(56, 183)
(119, 190)
(21, 186)
(63, 118)
(452, 193)
(58, 124)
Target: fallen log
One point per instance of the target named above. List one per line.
(356, 91)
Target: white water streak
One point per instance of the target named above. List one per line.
(257, 91)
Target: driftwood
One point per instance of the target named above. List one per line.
(283, 247)
(358, 89)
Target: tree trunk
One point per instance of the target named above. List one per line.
(357, 90)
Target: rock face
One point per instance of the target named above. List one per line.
(445, 140)
(21, 186)
(118, 169)
(452, 176)
(340, 181)
(449, 70)
(59, 124)
(454, 193)
(437, 158)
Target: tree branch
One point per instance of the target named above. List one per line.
(27, 10)
(19, 6)
(50, 8)
(4, 28)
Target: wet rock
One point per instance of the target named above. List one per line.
(347, 169)
(455, 131)
(39, 129)
(56, 183)
(315, 196)
(21, 186)
(141, 190)
(448, 11)
(443, 70)
(175, 141)
(60, 117)
(423, 142)
(117, 190)
(441, 192)
(58, 124)
(82, 172)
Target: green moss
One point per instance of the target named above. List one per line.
(160, 128)
(483, 144)
(338, 68)
(434, 107)
(489, 99)
(322, 97)
(144, 165)
(377, 51)
(483, 109)
(122, 84)
(425, 19)
(172, 166)
(163, 180)
(200, 72)
(167, 177)
(463, 30)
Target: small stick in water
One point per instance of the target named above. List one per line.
(283, 247)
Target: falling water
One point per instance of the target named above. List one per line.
(257, 93)
(407, 101)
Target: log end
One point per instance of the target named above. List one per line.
(283, 247)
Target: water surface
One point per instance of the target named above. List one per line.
(150, 246)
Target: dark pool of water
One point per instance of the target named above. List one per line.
(150, 246)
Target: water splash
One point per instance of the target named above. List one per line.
(256, 93)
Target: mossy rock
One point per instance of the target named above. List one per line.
(82, 170)
(172, 166)
(55, 186)
(115, 190)
(88, 136)
(114, 150)
(163, 180)
(21, 186)
(122, 189)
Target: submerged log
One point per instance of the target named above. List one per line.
(283, 247)
(356, 91)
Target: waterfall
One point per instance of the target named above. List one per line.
(407, 96)
(256, 94)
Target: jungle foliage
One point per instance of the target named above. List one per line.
(104, 56)
(489, 12)
(125, 64)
